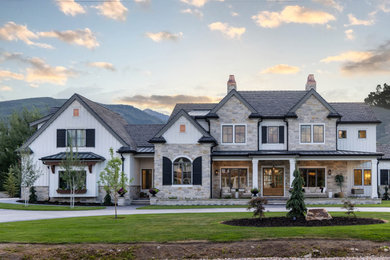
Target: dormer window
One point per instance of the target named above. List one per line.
(76, 112)
(182, 128)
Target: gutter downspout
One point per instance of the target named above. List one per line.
(286, 132)
(377, 176)
(211, 171)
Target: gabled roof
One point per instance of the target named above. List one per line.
(191, 107)
(236, 94)
(141, 134)
(310, 93)
(112, 121)
(206, 137)
(355, 112)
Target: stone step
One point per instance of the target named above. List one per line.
(140, 202)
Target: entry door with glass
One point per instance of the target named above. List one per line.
(273, 179)
(147, 179)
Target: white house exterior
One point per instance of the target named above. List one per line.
(250, 139)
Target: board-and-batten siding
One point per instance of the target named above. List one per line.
(352, 142)
(45, 144)
(174, 136)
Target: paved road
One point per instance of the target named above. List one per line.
(22, 215)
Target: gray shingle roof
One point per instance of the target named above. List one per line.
(84, 156)
(385, 149)
(191, 106)
(141, 134)
(355, 112)
(300, 153)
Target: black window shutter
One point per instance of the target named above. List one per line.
(384, 177)
(281, 134)
(197, 171)
(90, 138)
(167, 171)
(264, 134)
(61, 137)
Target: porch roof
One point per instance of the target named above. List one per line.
(294, 153)
(83, 156)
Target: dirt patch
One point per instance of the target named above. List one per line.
(301, 222)
(263, 248)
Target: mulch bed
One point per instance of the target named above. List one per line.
(301, 222)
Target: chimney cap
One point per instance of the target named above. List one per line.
(311, 82)
(231, 84)
(231, 79)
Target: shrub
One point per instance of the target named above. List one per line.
(258, 205)
(254, 191)
(296, 202)
(339, 180)
(350, 207)
(107, 200)
(154, 191)
(386, 194)
(33, 196)
(11, 185)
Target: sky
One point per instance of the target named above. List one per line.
(155, 53)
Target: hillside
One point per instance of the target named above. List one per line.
(131, 114)
(383, 129)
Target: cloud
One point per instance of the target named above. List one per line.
(292, 14)
(281, 69)
(354, 21)
(102, 65)
(384, 6)
(195, 12)
(349, 34)
(234, 14)
(353, 56)
(6, 75)
(79, 37)
(198, 3)
(70, 7)
(162, 36)
(331, 3)
(227, 30)
(163, 101)
(15, 32)
(143, 3)
(113, 10)
(5, 88)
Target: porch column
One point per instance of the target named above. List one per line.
(293, 163)
(255, 173)
(374, 178)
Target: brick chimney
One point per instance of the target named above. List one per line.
(231, 84)
(311, 83)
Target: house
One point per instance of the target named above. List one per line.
(250, 139)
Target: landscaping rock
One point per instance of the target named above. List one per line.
(317, 214)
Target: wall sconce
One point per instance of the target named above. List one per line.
(216, 172)
(329, 172)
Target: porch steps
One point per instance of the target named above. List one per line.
(276, 201)
(140, 202)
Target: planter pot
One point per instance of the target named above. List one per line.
(121, 201)
(341, 194)
(83, 191)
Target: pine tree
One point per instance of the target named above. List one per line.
(296, 202)
(33, 196)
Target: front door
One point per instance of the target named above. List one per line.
(147, 178)
(273, 179)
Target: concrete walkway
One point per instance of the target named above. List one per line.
(23, 215)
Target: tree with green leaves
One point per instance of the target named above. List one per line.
(14, 131)
(380, 97)
(73, 173)
(11, 183)
(296, 202)
(112, 178)
(29, 172)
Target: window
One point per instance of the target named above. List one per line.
(305, 133)
(234, 178)
(362, 177)
(342, 134)
(182, 171)
(313, 177)
(362, 134)
(76, 137)
(76, 112)
(385, 177)
(273, 134)
(146, 179)
(64, 185)
(182, 128)
(318, 133)
(234, 134)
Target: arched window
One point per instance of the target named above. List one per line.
(182, 171)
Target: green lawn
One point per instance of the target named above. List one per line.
(384, 204)
(176, 227)
(45, 207)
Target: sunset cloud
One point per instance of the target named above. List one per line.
(281, 69)
(227, 30)
(70, 7)
(292, 14)
(195, 12)
(102, 65)
(144, 3)
(198, 3)
(353, 56)
(15, 32)
(79, 37)
(163, 101)
(113, 9)
(6, 75)
(354, 21)
(330, 3)
(5, 88)
(349, 34)
(162, 36)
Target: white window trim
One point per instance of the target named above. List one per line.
(317, 167)
(346, 133)
(173, 171)
(262, 178)
(233, 167)
(278, 141)
(234, 134)
(363, 169)
(311, 133)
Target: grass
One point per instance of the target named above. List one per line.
(384, 204)
(45, 207)
(177, 227)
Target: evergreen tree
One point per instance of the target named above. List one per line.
(11, 184)
(33, 196)
(380, 97)
(107, 199)
(296, 202)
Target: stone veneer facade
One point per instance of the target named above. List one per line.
(173, 151)
(312, 112)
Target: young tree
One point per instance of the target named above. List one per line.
(11, 183)
(73, 173)
(30, 172)
(296, 202)
(112, 179)
(257, 204)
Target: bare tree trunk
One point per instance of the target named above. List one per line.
(116, 202)
(26, 193)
